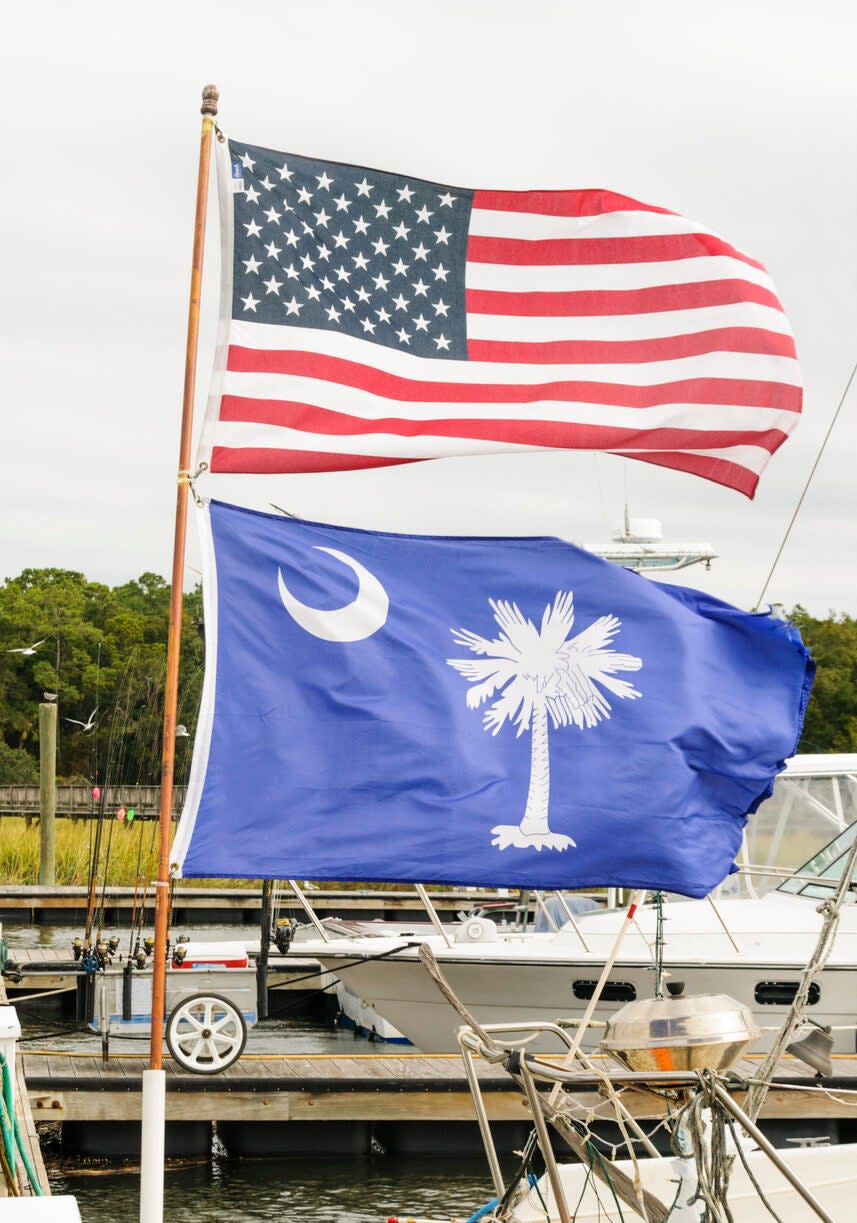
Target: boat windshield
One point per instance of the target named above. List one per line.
(826, 866)
(814, 799)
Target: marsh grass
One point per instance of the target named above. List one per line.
(128, 855)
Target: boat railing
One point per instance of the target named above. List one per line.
(557, 1109)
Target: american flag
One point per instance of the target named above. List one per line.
(371, 318)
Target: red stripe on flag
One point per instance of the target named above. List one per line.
(262, 460)
(605, 302)
(550, 433)
(730, 391)
(648, 248)
(590, 202)
(666, 348)
(719, 471)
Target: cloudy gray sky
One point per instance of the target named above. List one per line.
(739, 116)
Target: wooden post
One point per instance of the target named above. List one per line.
(47, 794)
(154, 1079)
(162, 897)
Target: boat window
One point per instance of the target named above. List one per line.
(782, 993)
(614, 991)
(826, 866)
(813, 800)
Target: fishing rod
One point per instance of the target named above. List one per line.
(145, 766)
(95, 843)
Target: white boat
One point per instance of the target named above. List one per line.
(363, 1019)
(827, 1170)
(752, 947)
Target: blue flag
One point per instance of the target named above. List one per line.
(475, 711)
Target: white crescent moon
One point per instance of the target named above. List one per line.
(355, 621)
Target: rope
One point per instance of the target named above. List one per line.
(739, 1147)
(713, 1164)
(806, 486)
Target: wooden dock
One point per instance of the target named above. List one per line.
(327, 1103)
(66, 905)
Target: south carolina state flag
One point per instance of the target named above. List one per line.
(475, 711)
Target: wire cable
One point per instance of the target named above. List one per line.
(806, 486)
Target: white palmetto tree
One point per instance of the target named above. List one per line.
(540, 674)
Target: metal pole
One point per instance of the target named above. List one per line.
(320, 928)
(152, 1164)
(482, 1120)
(636, 900)
(47, 794)
(726, 929)
(535, 1103)
(762, 1143)
(548, 916)
(432, 912)
(264, 948)
(571, 919)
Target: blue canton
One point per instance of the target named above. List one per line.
(350, 250)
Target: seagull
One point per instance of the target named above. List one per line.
(27, 649)
(182, 731)
(50, 696)
(88, 725)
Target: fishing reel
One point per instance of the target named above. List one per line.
(282, 934)
(76, 948)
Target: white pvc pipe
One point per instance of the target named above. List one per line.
(152, 1146)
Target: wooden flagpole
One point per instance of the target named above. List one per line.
(154, 1087)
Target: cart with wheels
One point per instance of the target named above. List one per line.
(210, 1003)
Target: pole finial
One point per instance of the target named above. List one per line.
(210, 96)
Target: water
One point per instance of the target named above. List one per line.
(328, 1191)
(60, 937)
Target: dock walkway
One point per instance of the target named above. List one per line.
(406, 1102)
(65, 904)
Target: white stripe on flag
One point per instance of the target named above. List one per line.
(384, 445)
(748, 366)
(625, 326)
(584, 277)
(369, 406)
(488, 223)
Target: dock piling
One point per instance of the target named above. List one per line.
(47, 793)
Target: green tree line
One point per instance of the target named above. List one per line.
(105, 647)
(101, 648)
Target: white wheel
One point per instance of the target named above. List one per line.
(206, 1034)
